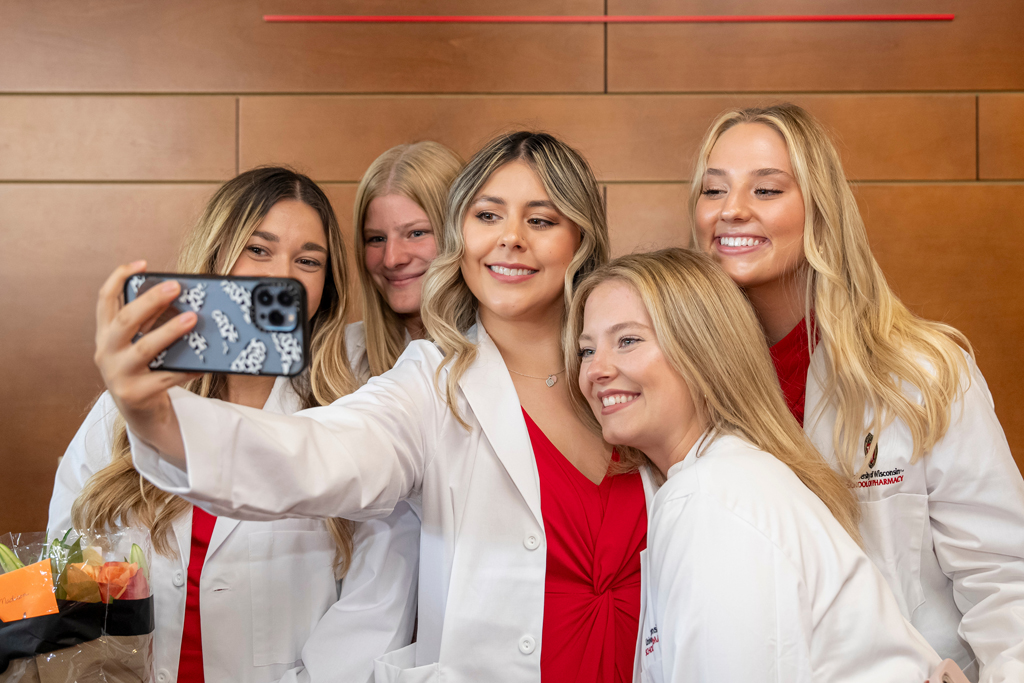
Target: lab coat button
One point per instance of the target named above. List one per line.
(531, 542)
(527, 645)
(179, 578)
(163, 676)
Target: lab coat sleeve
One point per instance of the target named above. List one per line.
(356, 458)
(88, 453)
(376, 612)
(716, 580)
(976, 504)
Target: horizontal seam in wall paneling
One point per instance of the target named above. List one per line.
(579, 93)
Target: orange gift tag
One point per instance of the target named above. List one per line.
(27, 592)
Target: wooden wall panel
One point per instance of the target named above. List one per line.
(973, 52)
(1001, 136)
(626, 138)
(934, 243)
(117, 138)
(61, 242)
(224, 46)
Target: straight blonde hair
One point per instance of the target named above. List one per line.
(873, 344)
(449, 308)
(421, 172)
(711, 337)
(118, 494)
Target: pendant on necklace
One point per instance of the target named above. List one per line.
(550, 381)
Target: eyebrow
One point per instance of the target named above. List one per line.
(761, 172)
(618, 327)
(271, 237)
(488, 198)
(544, 203)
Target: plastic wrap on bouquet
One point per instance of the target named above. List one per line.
(76, 609)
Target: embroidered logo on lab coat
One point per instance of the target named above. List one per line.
(651, 641)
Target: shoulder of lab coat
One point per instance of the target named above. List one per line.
(355, 458)
(755, 580)
(975, 498)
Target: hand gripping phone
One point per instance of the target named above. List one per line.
(246, 326)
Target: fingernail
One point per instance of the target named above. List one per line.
(137, 264)
(187, 319)
(169, 286)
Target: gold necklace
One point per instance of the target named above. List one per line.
(549, 380)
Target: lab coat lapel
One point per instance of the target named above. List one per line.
(488, 388)
(182, 527)
(221, 530)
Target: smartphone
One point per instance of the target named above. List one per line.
(246, 326)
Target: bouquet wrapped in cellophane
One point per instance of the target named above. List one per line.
(76, 609)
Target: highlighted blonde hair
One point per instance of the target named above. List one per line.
(708, 332)
(421, 172)
(449, 308)
(118, 494)
(872, 343)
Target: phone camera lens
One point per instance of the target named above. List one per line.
(276, 318)
(285, 298)
(265, 298)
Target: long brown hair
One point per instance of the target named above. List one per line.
(118, 494)
(708, 332)
(421, 172)
(872, 342)
(449, 308)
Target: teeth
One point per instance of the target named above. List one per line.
(501, 270)
(740, 241)
(617, 398)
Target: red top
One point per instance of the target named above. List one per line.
(592, 584)
(190, 663)
(792, 358)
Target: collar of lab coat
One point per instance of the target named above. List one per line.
(487, 386)
(282, 400)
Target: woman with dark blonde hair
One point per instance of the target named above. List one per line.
(896, 403)
(255, 601)
(751, 572)
(529, 555)
(397, 225)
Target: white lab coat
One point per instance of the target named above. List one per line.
(355, 345)
(271, 609)
(947, 532)
(482, 552)
(748, 577)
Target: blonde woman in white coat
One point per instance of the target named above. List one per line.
(751, 573)
(266, 606)
(896, 403)
(447, 423)
(397, 229)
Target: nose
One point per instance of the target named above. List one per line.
(511, 235)
(735, 208)
(395, 254)
(599, 369)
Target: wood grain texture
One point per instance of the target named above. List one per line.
(1001, 136)
(626, 138)
(55, 137)
(225, 46)
(934, 244)
(975, 51)
(61, 243)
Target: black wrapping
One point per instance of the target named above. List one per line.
(75, 622)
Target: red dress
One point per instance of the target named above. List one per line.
(594, 536)
(792, 358)
(190, 661)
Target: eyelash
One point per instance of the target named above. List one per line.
(260, 251)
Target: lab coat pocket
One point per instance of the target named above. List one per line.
(293, 585)
(893, 529)
(400, 667)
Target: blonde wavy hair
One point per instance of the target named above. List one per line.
(449, 307)
(421, 172)
(118, 494)
(872, 342)
(708, 332)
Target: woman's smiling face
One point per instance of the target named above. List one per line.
(750, 215)
(518, 246)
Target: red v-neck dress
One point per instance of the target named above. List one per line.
(190, 660)
(594, 537)
(792, 359)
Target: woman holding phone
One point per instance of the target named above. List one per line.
(529, 563)
(896, 403)
(256, 601)
(397, 224)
